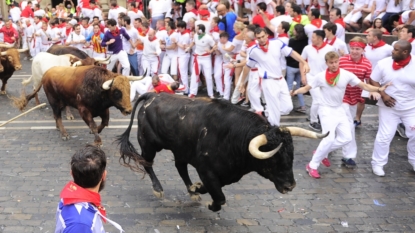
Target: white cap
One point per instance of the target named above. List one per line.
(73, 22)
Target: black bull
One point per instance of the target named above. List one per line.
(220, 140)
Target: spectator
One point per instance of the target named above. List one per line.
(227, 21)
(377, 11)
(353, 17)
(393, 7)
(377, 24)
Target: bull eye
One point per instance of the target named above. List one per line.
(117, 94)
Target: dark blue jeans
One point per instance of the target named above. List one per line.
(132, 58)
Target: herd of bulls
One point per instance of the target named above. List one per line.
(222, 141)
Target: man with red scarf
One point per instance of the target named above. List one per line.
(80, 208)
(396, 105)
(315, 23)
(333, 83)
(339, 46)
(10, 33)
(151, 52)
(336, 17)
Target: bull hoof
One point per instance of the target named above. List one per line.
(70, 117)
(98, 144)
(3, 92)
(195, 186)
(65, 137)
(214, 207)
(159, 195)
(195, 197)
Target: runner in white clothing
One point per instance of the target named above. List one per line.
(266, 55)
(397, 103)
(76, 39)
(151, 52)
(333, 83)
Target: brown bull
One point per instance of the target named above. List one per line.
(9, 62)
(90, 89)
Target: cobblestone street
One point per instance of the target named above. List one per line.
(34, 167)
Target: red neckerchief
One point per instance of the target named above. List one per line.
(162, 28)
(140, 30)
(52, 27)
(411, 40)
(215, 29)
(87, 26)
(316, 22)
(332, 78)
(154, 38)
(31, 25)
(283, 35)
(97, 34)
(331, 42)
(297, 19)
(115, 7)
(263, 48)
(135, 10)
(116, 32)
(318, 48)
(379, 44)
(68, 31)
(73, 193)
(396, 65)
(185, 31)
(171, 32)
(252, 43)
(145, 33)
(194, 12)
(340, 21)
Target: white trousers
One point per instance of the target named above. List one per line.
(139, 58)
(227, 81)
(389, 118)
(205, 66)
(278, 99)
(183, 64)
(218, 72)
(350, 150)
(254, 91)
(352, 18)
(88, 13)
(123, 59)
(333, 120)
(142, 86)
(150, 64)
(316, 95)
(161, 57)
(44, 47)
(236, 93)
(169, 62)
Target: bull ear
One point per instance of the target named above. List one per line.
(10, 58)
(107, 84)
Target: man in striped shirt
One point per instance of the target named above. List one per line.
(360, 66)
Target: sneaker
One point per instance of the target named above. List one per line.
(220, 97)
(31, 59)
(378, 171)
(212, 97)
(245, 104)
(192, 96)
(357, 123)
(349, 163)
(401, 130)
(312, 172)
(315, 126)
(301, 109)
(326, 162)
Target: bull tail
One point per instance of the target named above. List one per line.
(127, 150)
(27, 81)
(21, 102)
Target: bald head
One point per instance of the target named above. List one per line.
(221, 9)
(401, 50)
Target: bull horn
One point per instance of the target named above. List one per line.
(22, 50)
(102, 59)
(6, 46)
(4, 53)
(259, 141)
(107, 84)
(295, 131)
(78, 63)
(134, 78)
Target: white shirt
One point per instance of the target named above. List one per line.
(161, 35)
(333, 95)
(310, 28)
(44, 35)
(359, 3)
(339, 45)
(87, 31)
(316, 59)
(277, 20)
(203, 44)
(403, 86)
(175, 15)
(183, 39)
(225, 59)
(405, 17)
(29, 31)
(39, 12)
(98, 13)
(169, 40)
(113, 13)
(15, 13)
(206, 23)
(158, 7)
(380, 4)
(375, 55)
(151, 48)
(391, 8)
(76, 38)
(254, 3)
(133, 33)
(133, 15)
(340, 32)
(268, 62)
(188, 16)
